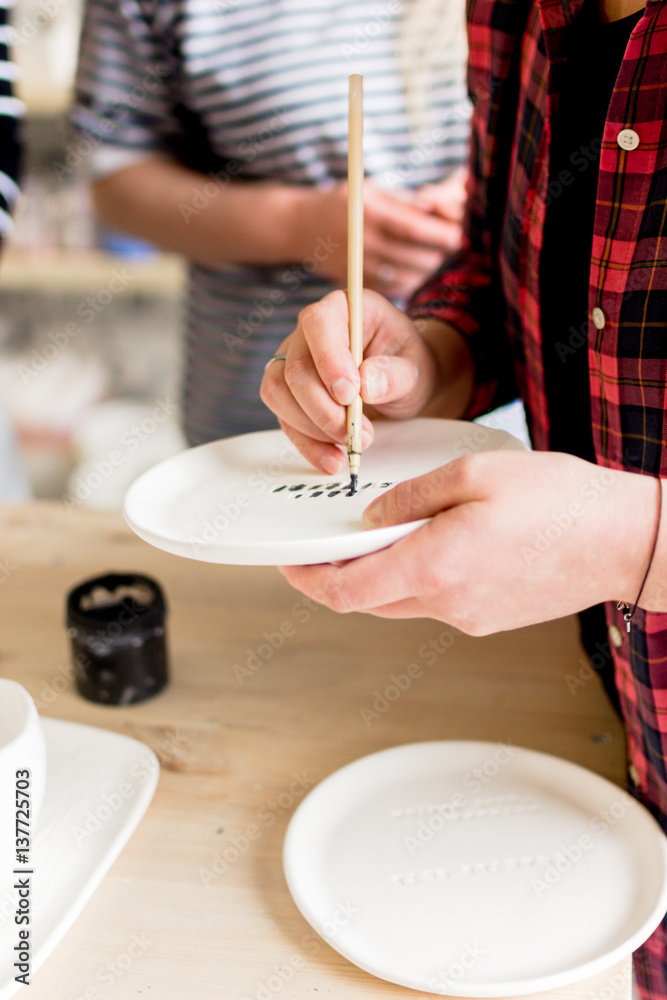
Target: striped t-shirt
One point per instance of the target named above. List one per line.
(255, 89)
(11, 110)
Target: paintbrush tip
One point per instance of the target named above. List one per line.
(354, 482)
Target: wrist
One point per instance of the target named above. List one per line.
(300, 215)
(284, 209)
(454, 371)
(638, 527)
(653, 596)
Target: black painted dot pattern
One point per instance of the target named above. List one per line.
(302, 490)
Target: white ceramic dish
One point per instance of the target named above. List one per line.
(476, 870)
(237, 501)
(99, 785)
(22, 771)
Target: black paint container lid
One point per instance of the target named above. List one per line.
(116, 624)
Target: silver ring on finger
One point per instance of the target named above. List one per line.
(276, 357)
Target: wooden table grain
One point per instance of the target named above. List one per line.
(269, 694)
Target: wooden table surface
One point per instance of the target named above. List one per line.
(232, 738)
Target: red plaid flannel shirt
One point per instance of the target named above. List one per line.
(491, 295)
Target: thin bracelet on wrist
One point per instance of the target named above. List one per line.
(628, 612)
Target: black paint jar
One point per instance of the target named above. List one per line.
(116, 624)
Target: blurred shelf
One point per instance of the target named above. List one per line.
(81, 271)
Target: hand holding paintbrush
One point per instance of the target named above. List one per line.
(399, 372)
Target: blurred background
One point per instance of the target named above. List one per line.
(89, 321)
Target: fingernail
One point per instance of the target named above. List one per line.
(366, 438)
(377, 383)
(372, 517)
(343, 391)
(331, 464)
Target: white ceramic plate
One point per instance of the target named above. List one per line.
(476, 870)
(98, 786)
(254, 501)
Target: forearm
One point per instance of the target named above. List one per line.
(209, 222)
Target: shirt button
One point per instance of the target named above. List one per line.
(634, 775)
(615, 636)
(627, 138)
(599, 318)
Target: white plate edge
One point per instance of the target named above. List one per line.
(508, 988)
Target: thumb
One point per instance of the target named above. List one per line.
(450, 485)
(386, 379)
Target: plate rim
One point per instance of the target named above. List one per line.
(507, 988)
(263, 553)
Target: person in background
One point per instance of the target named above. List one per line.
(219, 130)
(559, 293)
(13, 483)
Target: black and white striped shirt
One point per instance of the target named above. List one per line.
(254, 89)
(11, 110)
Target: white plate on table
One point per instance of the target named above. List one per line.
(98, 786)
(253, 500)
(475, 869)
